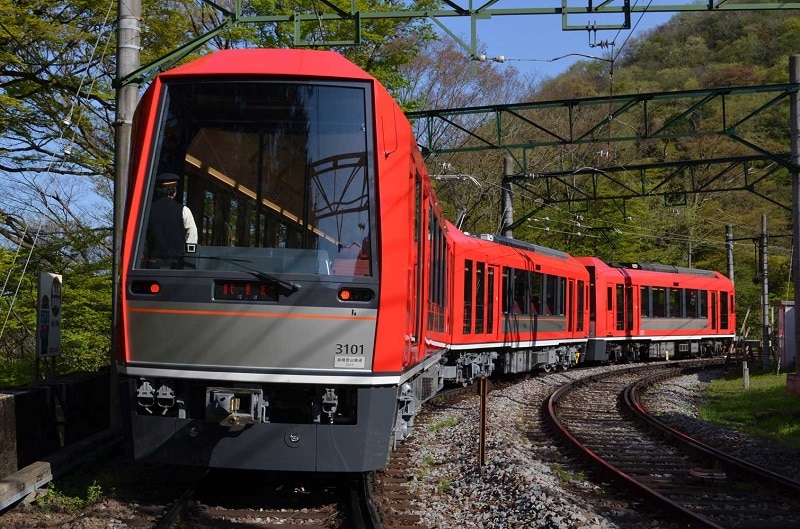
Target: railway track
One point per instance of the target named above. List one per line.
(222, 500)
(600, 416)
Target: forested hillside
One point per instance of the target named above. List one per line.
(693, 51)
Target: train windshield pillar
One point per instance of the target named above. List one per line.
(274, 176)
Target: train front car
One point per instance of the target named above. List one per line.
(253, 339)
(642, 311)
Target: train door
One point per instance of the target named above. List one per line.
(416, 307)
(723, 311)
(713, 311)
(436, 287)
(580, 306)
(492, 284)
(479, 298)
(592, 297)
(571, 306)
(620, 307)
(629, 320)
(610, 309)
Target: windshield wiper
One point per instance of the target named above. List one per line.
(289, 286)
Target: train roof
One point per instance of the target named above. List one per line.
(650, 267)
(522, 245)
(671, 269)
(271, 61)
(481, 239)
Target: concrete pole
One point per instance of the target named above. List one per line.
(729, 249)
(794, 119)
(128, 46)
(508, 206)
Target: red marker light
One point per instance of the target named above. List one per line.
(155, 288)
(344, 295)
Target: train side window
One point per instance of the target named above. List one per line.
(674, 306)
(659, 302)
(480, 293)
(520, 292)
(646, 307)
(702, 303)
(537, 291)
(556, 291)
(580, 304)
(691, 303)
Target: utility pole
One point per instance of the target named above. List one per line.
(508, 206)
(765, 330)
(129, 15)
(794, 119)
(729, 249)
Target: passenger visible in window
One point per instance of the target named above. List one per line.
(364, 253)
(170, 225)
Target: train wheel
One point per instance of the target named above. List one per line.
(547, 367)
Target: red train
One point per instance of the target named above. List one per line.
(290, 293)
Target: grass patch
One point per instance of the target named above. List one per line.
(766, 409)
(443, 423)
(70, 501)
(444, 485)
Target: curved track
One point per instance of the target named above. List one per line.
(704, 488)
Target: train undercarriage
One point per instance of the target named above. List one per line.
(624, 351)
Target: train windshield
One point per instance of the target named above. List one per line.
(262, 176)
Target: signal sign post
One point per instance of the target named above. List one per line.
(48, 321)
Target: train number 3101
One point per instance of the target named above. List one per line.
(349, 349)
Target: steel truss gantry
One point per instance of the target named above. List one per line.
(576, 15)
(528, 131)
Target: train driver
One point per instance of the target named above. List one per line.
(171, 224)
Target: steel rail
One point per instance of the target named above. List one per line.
(631, 399)
(607, 469)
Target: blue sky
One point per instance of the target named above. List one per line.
(532, 42)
